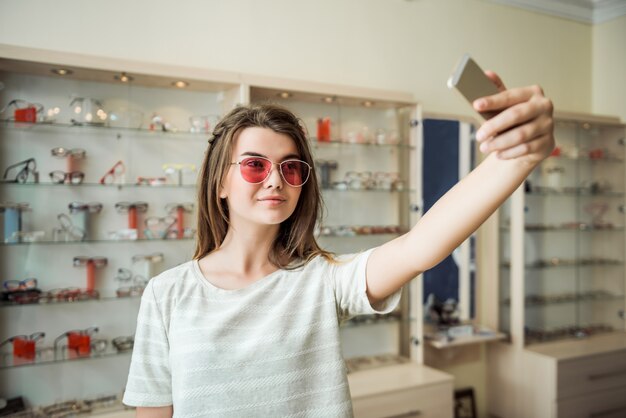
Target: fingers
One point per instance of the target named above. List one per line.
(518, 135)
(507, 98)
(533, 147)
(515, 115)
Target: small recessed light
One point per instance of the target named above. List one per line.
(586, 126)
(284, 95)
(328, 99)
(124, 78)
(61, 71)
(180, 84)
(367, 103)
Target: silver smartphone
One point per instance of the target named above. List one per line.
(470, 80)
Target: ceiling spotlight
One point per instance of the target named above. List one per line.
(124, 78)
(328, 99)
(180, 84)
(284, 95)
(367, 103)
(61, 71)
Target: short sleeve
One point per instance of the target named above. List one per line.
(149, 380)
(350, 287)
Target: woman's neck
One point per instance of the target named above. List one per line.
(246, 250)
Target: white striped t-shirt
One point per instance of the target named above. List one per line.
(270, 349)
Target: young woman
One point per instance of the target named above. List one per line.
(250, 326)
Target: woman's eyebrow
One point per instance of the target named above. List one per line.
(256, 154)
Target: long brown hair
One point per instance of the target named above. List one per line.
(295, 240)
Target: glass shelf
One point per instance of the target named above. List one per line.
(582, 298)
(116, 131)
(338, 144)
(203, 136)
(143, 240)
(579, 193)
(47, 357)
(609, 159)
(96, 241)
(176, 186)
(98, 185)
(99, 300)
(567, 263)
(550, 228)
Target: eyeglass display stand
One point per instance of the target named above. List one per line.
(366, 130)
(560, 293)
(12, 213)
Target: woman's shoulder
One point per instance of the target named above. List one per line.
(179, 275)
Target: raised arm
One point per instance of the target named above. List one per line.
(517, 139)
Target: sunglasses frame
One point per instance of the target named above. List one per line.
(61, 152)
(92, 207)
(22, 174)
(67, 176)
(239, 163)
(118, 169)
(26, 284)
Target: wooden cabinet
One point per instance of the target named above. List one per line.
(406, 391)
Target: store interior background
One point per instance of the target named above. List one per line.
(400, 45)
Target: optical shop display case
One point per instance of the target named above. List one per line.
(561, 289)
(125, 143)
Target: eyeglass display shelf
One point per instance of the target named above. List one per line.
(100, 128)
(180, 134)
(564, 228)
(49, 358)
(96, 241)
(481, 335)
(184, 186)
(576, 193)
(569, 300)
(567, 263)
(99, 185)
(46, 304)
(608, 159)
(142, 240)
(573, 332)
(337, 143)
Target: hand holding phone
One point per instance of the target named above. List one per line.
(470, 80)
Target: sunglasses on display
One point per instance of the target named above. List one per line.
(115, 174)
(24, 168)
(65, 152)
(60, 177)
(91, 207)
(256, 170)
(124, 207)
(15, 285)
(151, 181)
(69, 294)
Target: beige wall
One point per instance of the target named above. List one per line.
(389, 44)
(609, 68)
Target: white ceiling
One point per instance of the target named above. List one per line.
(588, 11)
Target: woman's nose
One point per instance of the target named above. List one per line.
(274, 179)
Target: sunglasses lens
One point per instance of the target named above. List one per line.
(255, 170)
(30, 283)
(11, 285)
(295, 172)
(76, 177)
(57, 177)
